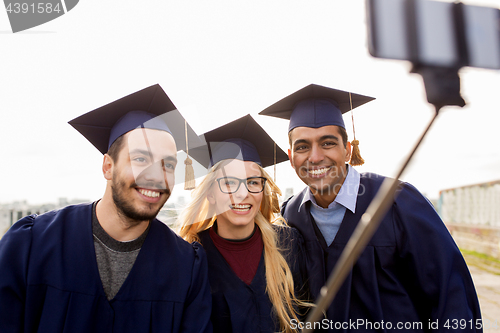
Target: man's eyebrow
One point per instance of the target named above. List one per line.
(170, 158)
(299, 141)
(329, 136)
(324, 137)
(140, 151)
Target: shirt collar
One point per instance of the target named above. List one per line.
(347, 196)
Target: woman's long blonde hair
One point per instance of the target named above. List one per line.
(199, 215)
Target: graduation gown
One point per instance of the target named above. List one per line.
(410, 272)
(241, 308)
(50, 282)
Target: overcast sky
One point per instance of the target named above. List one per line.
(218, 61)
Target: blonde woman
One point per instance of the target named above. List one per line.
(254, 264)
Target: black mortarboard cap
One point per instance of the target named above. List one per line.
(147, 108)
(242, 139)
(315, 106)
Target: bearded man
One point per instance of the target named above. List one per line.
(110, 266)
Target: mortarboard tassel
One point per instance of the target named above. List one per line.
(356, 158)
(189, 182)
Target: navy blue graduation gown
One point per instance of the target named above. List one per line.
(410, 272)
(50, 282)
(241, 308)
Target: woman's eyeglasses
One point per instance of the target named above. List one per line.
(232, 184)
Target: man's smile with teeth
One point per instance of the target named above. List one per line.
(318, 171)
(149, 193)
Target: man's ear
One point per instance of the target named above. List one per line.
(290, 157)
(348, 152)
(107, 167)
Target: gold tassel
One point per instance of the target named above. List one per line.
(189, 181)
(356, 158)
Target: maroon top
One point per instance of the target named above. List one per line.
(242, 256)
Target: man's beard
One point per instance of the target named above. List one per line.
(126, 208)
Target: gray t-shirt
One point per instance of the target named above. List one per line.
(114, 258)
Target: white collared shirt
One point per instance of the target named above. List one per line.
(329, 219)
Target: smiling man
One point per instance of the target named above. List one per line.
(110, 266)
(319, 157)
(140, 175)
(411, 276)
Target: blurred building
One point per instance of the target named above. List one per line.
(474, 204)
(170, 212)
(14, 211)
(472, 214)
